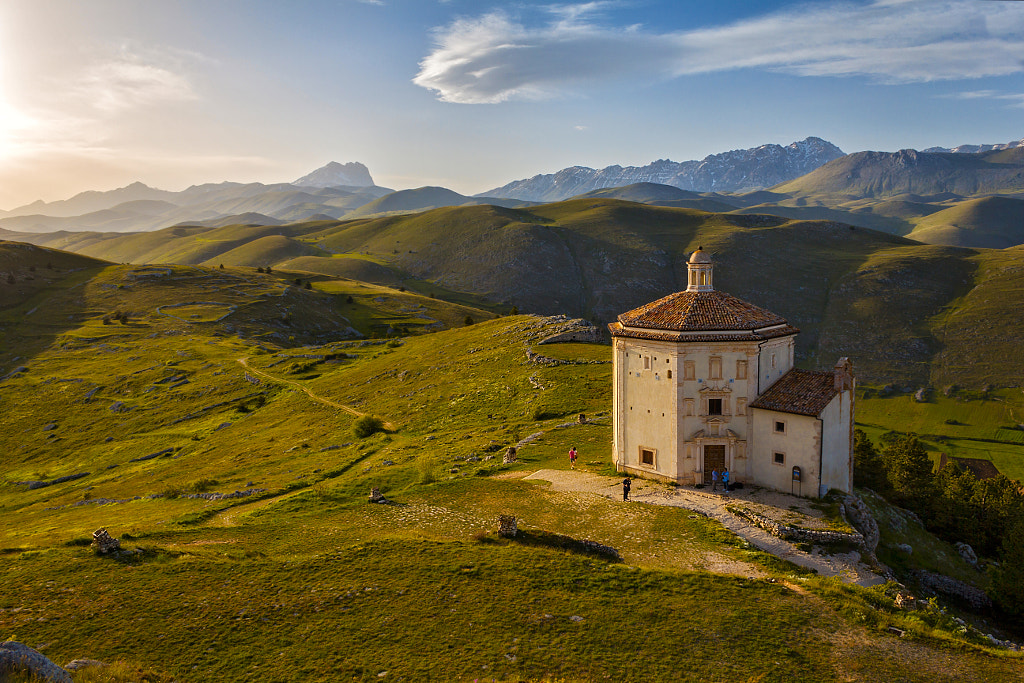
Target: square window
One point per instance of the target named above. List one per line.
(780, 458)
(647, 457)
(714, 406)
(780, 427)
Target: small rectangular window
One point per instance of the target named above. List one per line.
(670, 374)
(689, 369)
(780, 458)
(741, 406)
(773, 361)
(689, 407)
(647, 362)
(780, 427)
(647, 457)
(741, 369)
(714, 406)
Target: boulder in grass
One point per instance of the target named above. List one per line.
(16, 658)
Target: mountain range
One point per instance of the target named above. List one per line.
(735, 171)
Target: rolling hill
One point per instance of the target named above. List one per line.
(880, 298)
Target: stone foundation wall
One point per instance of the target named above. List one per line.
(792, 533)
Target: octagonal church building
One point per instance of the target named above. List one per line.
(704, 381)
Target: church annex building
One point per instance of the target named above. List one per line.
(704, 380)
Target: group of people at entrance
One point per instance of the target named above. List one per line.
(724, 477)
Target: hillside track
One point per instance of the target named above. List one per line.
(319, 399)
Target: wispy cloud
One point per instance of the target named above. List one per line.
(129, 81)
(1015, 99)
(495, 57)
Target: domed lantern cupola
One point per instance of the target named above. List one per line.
(699, 270)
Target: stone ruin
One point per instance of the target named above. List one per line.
(906, 601)
(582, 419)
(510, 455)
(376, 496)
(507, 526)
(104, 543)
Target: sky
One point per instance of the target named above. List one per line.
(471, 94)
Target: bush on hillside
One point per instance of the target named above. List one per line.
(367, 425)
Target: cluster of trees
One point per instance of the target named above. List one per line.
(953, 503)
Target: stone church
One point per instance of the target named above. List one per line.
(704, 380)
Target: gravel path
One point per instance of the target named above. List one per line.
(847, 566)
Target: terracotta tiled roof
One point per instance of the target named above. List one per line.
(804, 392)
(982, 469)
(617, 330)
(700, 311)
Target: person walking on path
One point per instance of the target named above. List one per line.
(725, 479)
(626, 483)
(572, 458)
(714, 480)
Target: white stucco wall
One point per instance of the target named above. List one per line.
(781, 351)
(837, 453)
(800, 443)
(645, 406)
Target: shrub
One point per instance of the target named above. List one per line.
(367, 425)
(309, 285)
(469, 320)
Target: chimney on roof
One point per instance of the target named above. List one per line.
(843, 375)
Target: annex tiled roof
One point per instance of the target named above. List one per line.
(617, 330)
(804, 392)
(700, 311)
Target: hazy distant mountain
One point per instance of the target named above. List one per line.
(424, 198)
(735, 171)
(974, 149)
(333, 191)
(352, 174)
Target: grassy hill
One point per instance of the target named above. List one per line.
(993, 222)
(887, 302)
(207, 391)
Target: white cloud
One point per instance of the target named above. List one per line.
(130, 80)
(494, 58)
(1016, 99)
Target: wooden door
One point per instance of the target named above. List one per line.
(714, 459)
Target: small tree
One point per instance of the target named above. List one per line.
(222, 266)
(469, 320)
(1008, 579)
(10, 278)
(269, 270)
(259, 269)
(298, 282)
(309, 285)
(514, 311)
(868, 466)
(349, 299)
(909, 471)
(367, 425)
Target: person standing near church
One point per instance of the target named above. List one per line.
(572, 458)
(626, 483)
(725, 479)
(714, 480)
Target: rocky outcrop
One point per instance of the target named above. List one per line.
(859, 515)
(104, 543)
(18, 659)
(738, 170)
(352, 174)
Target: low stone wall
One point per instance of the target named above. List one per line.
(975, 597)
(792, 533)
(579, 331)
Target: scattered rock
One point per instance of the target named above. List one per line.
(77, 664)
(507, 526)
(921, 395)
(50, 427)
(108, 439)
(510, 455)
(119, 407)
(16, 658)
(222, 425)
(104, 543)
(165, 451)
(966, 552)
(905, 548)
(376, 496)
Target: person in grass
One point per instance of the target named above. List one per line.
(626, 483)
(572, 457)
(714, 479)
(725, 479)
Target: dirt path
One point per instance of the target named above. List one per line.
(846, 566)
(319, 399)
